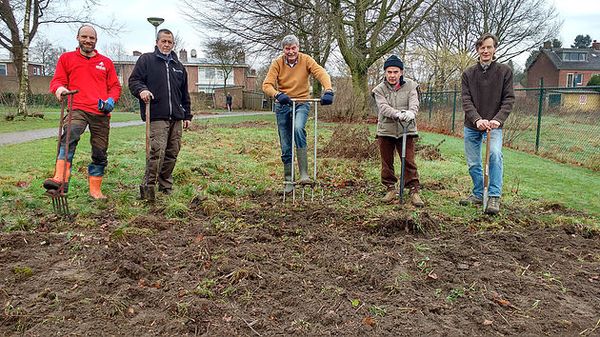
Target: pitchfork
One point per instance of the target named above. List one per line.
(60, 205)
(314, 183)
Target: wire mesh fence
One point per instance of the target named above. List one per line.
(562, 124)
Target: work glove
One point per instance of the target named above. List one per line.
(327, 98)
(106, 106)
(409, 116)
(283, 99)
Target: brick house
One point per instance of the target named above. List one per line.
(203, 75)
(8, 68)
(564, 67)
(38, 83)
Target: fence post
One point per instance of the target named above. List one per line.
(430, 102)
(454, 109)
(539, 121)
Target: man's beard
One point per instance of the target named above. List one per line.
(86, 49)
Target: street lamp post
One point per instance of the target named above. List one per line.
(155, 22)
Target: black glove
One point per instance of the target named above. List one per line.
(283, 99)
(327, 98)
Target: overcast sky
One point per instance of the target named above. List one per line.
(580, 17)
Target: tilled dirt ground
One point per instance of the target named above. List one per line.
(305, 270)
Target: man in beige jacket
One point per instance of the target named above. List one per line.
(397, 101)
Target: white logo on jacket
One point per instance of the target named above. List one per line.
(100, 66)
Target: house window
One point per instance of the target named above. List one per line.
(3, 69)
(578, 80)
(574, 57)
(569, 80)
(37, 71)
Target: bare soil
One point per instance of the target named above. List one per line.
(309, 269)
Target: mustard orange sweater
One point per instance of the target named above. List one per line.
(293, 81)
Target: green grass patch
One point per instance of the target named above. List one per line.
(231, 164)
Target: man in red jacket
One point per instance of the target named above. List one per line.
(95, 78)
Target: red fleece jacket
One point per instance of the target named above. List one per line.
(94, 77)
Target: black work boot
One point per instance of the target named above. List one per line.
(471, 200)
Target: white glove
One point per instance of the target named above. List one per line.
(409, 116)
(400, 115)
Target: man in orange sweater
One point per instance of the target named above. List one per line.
(288, 78)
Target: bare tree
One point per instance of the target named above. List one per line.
(446, 42)
(46, 53)
(366, 30)
(228, 53)
(21, 20)
(261, 24)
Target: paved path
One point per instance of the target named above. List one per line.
(26, 136)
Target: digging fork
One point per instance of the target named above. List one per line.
(403, 159)
(60, 204)
(314, 183)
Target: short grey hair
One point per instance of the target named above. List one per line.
(289, 40)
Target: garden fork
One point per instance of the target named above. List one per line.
(60, 204)
(403, 159)
(314, 183)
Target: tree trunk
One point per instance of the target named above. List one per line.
(360, 87)
(24, 76)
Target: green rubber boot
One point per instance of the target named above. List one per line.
(287, 174)
(303, 165)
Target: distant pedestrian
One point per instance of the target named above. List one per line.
(95, 78)
(159, 79)
(229, 102)
(397, 103)
(288, 78)
(487, 98)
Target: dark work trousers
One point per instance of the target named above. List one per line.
(165, 142)
(387, 145)
(99, 126)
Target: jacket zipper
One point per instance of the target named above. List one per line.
(169, 88)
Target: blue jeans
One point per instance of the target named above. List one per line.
(473, 144)
(284, 127)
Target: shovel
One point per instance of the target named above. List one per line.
(147, 192)
(486, 171)
(60, 204)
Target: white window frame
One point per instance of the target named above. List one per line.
(5, 71)
(570, 79)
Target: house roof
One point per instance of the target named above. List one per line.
(191, 61)
(554, 54)
(6, 60)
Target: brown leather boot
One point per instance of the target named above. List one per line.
(59, 174)
(390, 196)
(415, 199)
(95, 187)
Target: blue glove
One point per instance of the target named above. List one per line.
(106, 106)
(327, 98)
(283, 99)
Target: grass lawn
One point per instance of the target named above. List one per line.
(239, 158)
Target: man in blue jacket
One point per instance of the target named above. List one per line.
(159, 79)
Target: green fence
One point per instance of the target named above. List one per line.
(562, 124)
